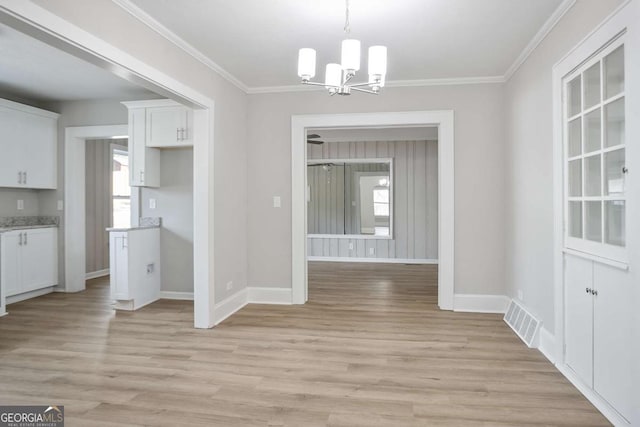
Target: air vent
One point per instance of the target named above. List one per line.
(522, 322)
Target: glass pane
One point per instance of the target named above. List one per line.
(574, 98)
(592, 176)
(593, 218)
(575, 219)
(381, 195)
(592, 86)
(575, 137)
(614, 72)
(381, 209)
(614, 117)
(575, 178)
(614, 178)
(121, 213)
(614, 226)
(592, 131)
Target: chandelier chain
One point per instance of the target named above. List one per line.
(347, 24)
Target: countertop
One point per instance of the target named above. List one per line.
(141, 227)
(25, 227)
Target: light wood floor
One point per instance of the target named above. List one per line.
(369, 349)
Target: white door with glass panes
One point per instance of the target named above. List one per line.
(597, 282)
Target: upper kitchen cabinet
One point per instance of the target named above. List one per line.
(169, 126)
(28, 145)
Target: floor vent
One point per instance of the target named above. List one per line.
(522, 322)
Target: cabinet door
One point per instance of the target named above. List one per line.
(166, 126)
(144, 162)
(40, 144)
(612, 361)
(11, 158)
(10, 269)
(578, 279)
(119, 266)
(39, 258)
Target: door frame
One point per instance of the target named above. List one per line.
(443, 119)
(55, 31)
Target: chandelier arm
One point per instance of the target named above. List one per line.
(308, 82)
(355, 85)
(364, 90)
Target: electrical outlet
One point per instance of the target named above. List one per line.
(20, 205)
(350, 246)
(60, 205)
(372, 251)
(152, 203)
(276, 202)
(230, 285)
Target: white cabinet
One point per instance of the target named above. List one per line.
(169, 126)
(28, 146)
(134, 267)
(144, 161)
(28, 260)
(155, 124)
(598, 315)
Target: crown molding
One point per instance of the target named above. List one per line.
(542, 33)
(156, 26)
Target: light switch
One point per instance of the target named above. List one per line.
(276, 201)
(372, 251)
(20, 205)
(152, 203)
(60, 205)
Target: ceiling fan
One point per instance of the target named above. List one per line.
(313, 139)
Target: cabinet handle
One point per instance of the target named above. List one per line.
(588, 290)
(594, 292)
(177, 134)
(25, 237)
(19, 177)
(25, 177)
(20, 242)
(184, 134)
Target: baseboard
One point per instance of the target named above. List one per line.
(601, 405)
(547, 344)
(96, 274)
(378, 260)
(176, 295)
(480, 303)
(28, 295)
(258, 295)
(230, 305)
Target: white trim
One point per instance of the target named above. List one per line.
(443, 119)
(596, 258)
(74, 200)
(350, 236)
(230, 305)
(258, 295)
(547, 344)
(601, 404)
(28, 109)
(378, 260)
(156, 26)
(49, 28)
(96, 274)
(28, 295)
(472, 303)
(542, 33)
(184, 296)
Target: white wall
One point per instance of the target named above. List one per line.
(118, 28)
(174, 204)
(415, 201)
(479, 174)
(9, 202)
(529, 161)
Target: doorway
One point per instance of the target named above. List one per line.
(442, 120)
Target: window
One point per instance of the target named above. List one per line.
(120, 189)
(381, 201)
(595, 199)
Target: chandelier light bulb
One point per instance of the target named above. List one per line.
(306, 63)
(377, 62)
(333, 76)
(351, 55)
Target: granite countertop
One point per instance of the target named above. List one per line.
(27, 222)
(144, 224)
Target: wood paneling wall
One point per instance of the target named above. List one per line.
(98, 202)
(415, 186)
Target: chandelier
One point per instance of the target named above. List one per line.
(338, 77)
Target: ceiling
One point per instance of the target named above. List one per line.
(34, 70)
(256, 41)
